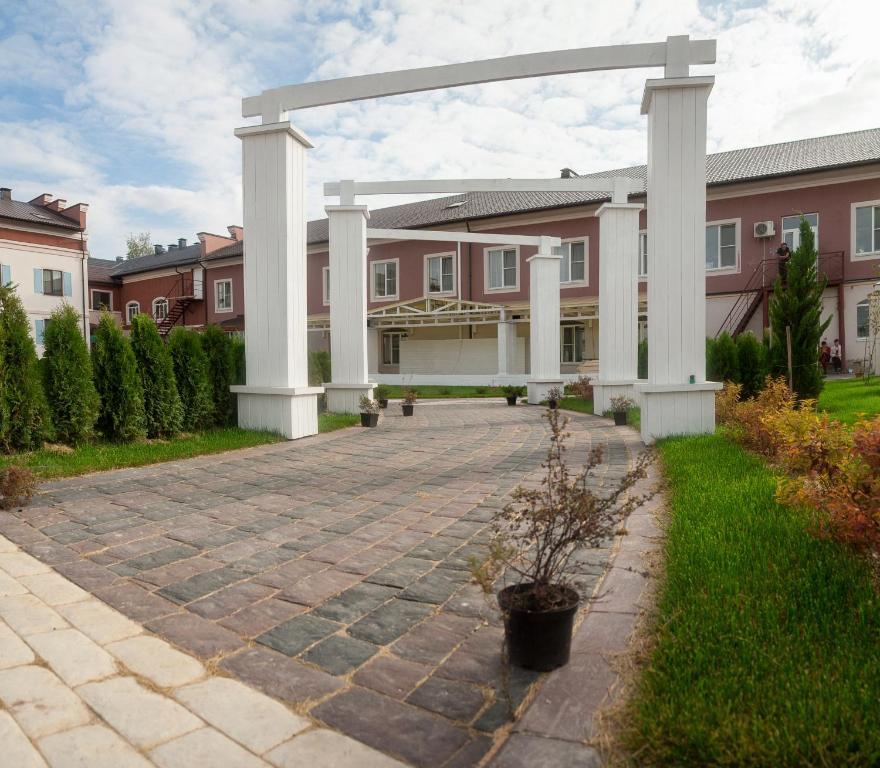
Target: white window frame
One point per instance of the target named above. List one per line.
(92, 293)
(217, 308)
(875, 254)
(160, 300)
(643, 275)
(866, 303)
(796, 232)
(399, 335)
(325, 286)
(487, 256)
(719, 270)
(388, 297)
(427, 280)
(577, 351)
(585, 239)
(136, 305)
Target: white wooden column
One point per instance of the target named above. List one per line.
(348, 307)
(277, 396)
(506, 344)
(677, 399)
(543, 322)
(618, 303)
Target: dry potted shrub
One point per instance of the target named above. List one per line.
(513, 393)
(369, 411)
(534, 538)
(17, 485)
(554, 395)
(409, 401)
(620, 405)
(581, 388)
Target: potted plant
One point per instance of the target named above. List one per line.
(409, 401)
(512, 393)
(533, 540)
(369, 412)
(554, 395)
(620, 405)
(382, 392)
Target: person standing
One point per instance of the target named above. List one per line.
(783, 254)
(824, 356)
(837, 357)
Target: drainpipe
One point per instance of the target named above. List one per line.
(84, 273)
(841, 310)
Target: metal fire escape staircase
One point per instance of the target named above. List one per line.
(185, 291)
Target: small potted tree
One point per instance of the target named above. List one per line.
(409, 402)
(620, 405)
(513, 393)
(554, 395)
(369, 412)
(382, 392)
(534, 538)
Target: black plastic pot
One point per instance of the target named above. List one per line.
(383, 402)
(369, 419)
(407, 409)
(619, 418)
(538, 640)
(552, 404)
(511, 399)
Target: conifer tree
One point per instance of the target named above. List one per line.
(797, 304)
(24, 415)
(162, 409)
(67, 378)
(191, 373)
(121, 416)
(221, 370)
(752, 358)
(721, 359)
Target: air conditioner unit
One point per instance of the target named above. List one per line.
(764, 229)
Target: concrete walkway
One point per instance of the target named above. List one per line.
(331, 573)
(82, 685)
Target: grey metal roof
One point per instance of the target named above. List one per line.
(735, 166)
(176, 257)
(36, 214)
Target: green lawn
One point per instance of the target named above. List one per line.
(768, 640)
(848, 399)
(429, 391)
(96, 457)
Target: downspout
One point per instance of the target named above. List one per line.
(86, 293)
(841, 311)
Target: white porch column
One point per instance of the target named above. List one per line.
(277, 396)
(677, 399)
(543, 322)
(506, 344)
(618, 303)
(348, 307)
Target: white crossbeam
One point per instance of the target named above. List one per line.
(443, 236)
(347, 189)
(675, 55)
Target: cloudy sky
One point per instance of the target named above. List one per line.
(130, 105)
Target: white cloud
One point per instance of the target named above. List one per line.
(150, 93)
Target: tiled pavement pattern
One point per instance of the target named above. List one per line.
(331, 573)
(82, 685)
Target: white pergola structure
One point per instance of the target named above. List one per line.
(676, 399)
(348, 254)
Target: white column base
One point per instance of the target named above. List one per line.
(538, 389)
(346, 398)
(603, 391)
(677, 409)
(291, 412)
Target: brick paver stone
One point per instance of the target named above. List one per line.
(13, 650)
(204, 748)
(17, 748)
(73, 657)
(326, 749)
(91, 746)
(154, 659)
(40, 703)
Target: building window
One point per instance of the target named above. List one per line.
(866, 229)
(391, 348)
(572, 343)
(102, 300)
(791, 230)
(5, 274)
(384, 279)
(132, 310)
(160, 309)
(223, 295)
(863, 319)
(40, 331)
(573, 267)
(440, 273)
(502, 269)
(325, 286)
(49, 282)
(643, 254)
(721, 245)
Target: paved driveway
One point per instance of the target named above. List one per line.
(331, 572)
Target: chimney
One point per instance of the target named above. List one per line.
(57, 205)
(42, 200)
(181, 242)
(235, 231)
(157, 249)
(5, 193)
(172, 246)
(76, 213)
